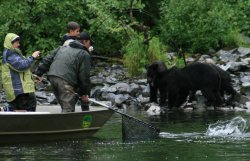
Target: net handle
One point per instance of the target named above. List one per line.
(125, 115)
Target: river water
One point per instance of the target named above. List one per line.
(200, 135)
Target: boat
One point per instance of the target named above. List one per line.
(49, 124)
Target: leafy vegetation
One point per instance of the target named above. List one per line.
(139, 55)
(140, 31)
(198, 25)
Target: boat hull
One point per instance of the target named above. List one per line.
(44, 126)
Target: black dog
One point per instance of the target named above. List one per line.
(175, 84)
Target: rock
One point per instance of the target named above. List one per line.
(121, 98)
(45, 97)
(227, 56)
(122, 88)
(135, 90)
(96, 80)
(243, 52)
(154, 110)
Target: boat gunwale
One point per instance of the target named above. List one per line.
(8, 113)
(50, 132)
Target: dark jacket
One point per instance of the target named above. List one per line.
(44, 64)
(71, 63)
(67, 37)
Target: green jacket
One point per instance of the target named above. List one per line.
(72, 63)
(16, 75)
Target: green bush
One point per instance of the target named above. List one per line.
(233, 39)
(42, 23)
(241, 18)
(138, 55)
(197, 25)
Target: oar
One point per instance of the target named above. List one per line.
(145, 129)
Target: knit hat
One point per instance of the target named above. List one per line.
(85, 36)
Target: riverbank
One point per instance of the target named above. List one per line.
(111, 82)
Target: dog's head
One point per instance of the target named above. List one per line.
(154, 70)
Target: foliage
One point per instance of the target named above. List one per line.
(41, 24)
(241, 17)
(179, 62)
(197, 25)
(138, 55)
(233, 39)
(110, 24)
(188, 26)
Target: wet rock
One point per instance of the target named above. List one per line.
(245, 82)
(245, 78)
(2, 97)
(121, 98)
(141, 81)
(243, 52)
(154, 110)
(243, 100)
(227, 56)
(135, 90)
(96, 91)
(97, 80)
(190, 60)
(122, 88)
(246, 85)
(111, 80)
(107, 96)
(235, 66)
(40, 86)
(110, 89)
(246, 60)
(45, 97)
(142, 99)
(146, 91)
(203, 58)
(209, 60)
(248, 105)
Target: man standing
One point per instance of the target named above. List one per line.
(69, 73)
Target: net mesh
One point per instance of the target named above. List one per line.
(135, 130)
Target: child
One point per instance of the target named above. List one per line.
(73, 31)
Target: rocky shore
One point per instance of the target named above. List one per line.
(110, 82)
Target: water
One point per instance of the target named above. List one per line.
(185, 136)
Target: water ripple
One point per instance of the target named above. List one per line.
(235, 127)
(233, 130)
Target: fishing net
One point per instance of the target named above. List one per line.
(136, 130)
(133, 129)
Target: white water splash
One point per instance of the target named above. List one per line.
(235, 127)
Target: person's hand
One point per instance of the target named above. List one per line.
(38, 79)
(85, 103)
(85, 98)
(36, 54)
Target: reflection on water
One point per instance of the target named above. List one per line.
(185, 135)
(65, 150)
